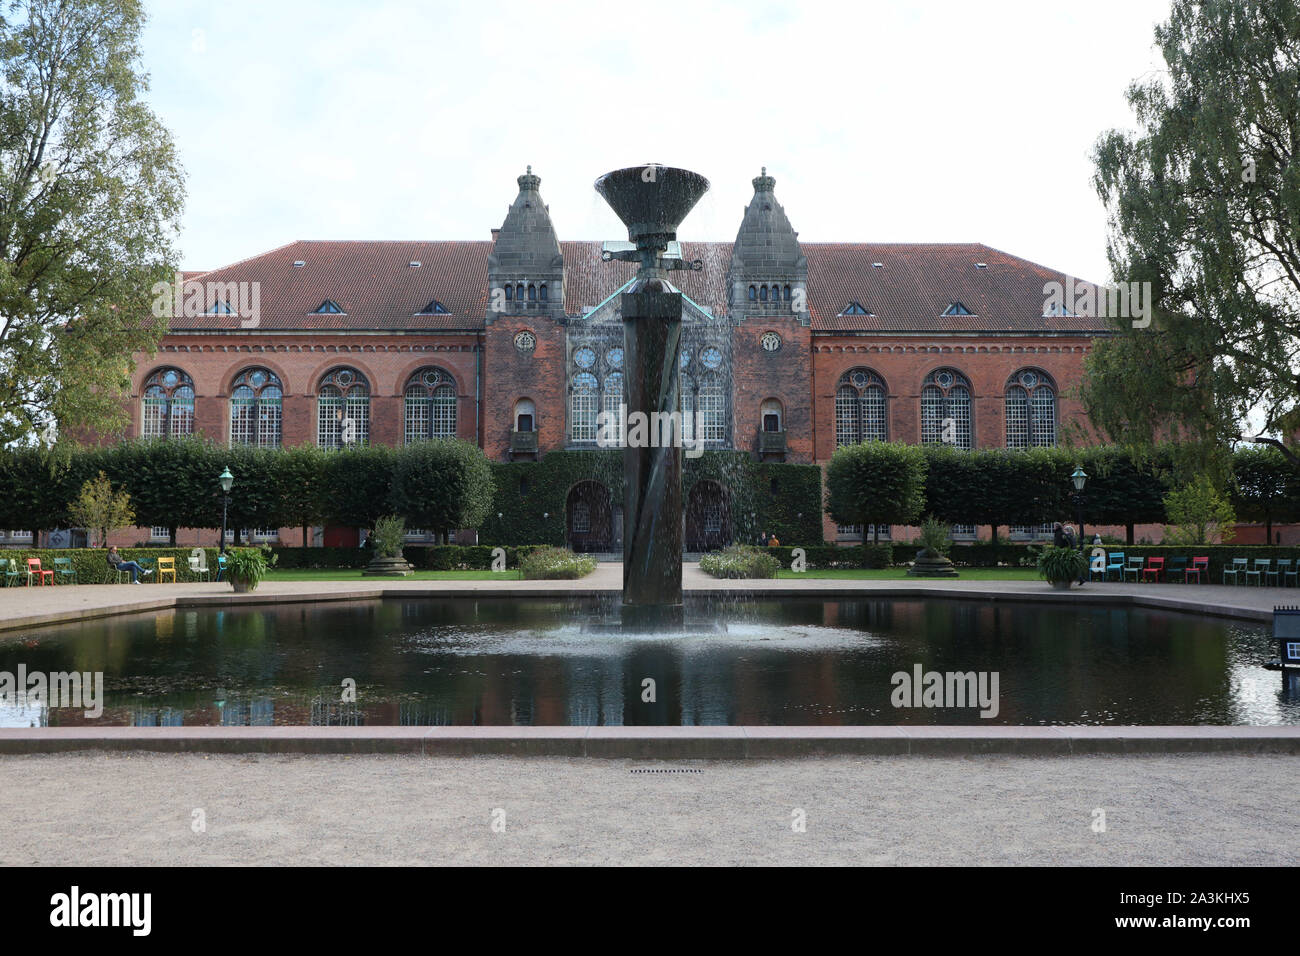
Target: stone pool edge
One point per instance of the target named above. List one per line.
(660, 743)
(1161, 602)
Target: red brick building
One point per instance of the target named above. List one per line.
(515, 343)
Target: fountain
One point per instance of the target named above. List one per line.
(652, 200)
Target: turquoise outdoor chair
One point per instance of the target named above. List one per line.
(1277, 572)
(63, 570)
(1134, 568)
(1291, 574)
(1261, 568)
(1237, 569)
(1177, 569)
(1116, 564)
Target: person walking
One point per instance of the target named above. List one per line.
(117, 564)
(1058, 535)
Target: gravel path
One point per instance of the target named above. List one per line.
(88, 809)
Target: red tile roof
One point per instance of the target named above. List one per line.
(379, 290)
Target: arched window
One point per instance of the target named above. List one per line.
(787, 293)
(532, 292)
(541, 292)
(1031, 409)
(430, 405)
(771, 414)
(519, 292)
(582, 407)
(753, 293)
(711, 404)
(860, 408)
(167, 404)
(255, 409)
(525, 415)
(343, 409)
(946, 409)
(613, 396)
(510, 292)
(762, 294)
(688, 408)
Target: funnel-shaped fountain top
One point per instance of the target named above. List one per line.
(652, 200)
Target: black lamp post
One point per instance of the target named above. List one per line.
(1079, 478)
(226, 479)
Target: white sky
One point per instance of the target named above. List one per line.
(939, 122)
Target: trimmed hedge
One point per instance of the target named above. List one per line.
(445, 557)
(977, 554)
(92, 568)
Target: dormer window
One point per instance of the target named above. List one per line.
(1056, 309)
(957, 308)
(220, 308)
(329, 307)
(855, 308)
(434, 308)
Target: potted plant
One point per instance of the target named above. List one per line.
(1061, 567)
(387, 540)
(246, 567)
(932, 560)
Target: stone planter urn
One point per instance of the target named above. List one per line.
(1061, 585)
(931, 565)
(387, 567)
(240, 585)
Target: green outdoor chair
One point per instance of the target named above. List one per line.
(1134, 568)
(63, 570)
(1177, 569)
(1237, 569)
(1261, 568)
(1277, 573)
(11, 572)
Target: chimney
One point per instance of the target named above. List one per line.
(495, 234)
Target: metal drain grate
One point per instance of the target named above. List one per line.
(667, 771)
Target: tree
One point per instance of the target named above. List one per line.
(99, 508)
(442, 485)
(172, 481)
(357, 482)
(876, 483)
(1198, 513)
(90, 198)
(301, 475)
(1204, 204)
(1265, 487)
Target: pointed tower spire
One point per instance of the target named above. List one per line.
(525, 267)
(766, 257)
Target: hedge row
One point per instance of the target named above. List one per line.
(424, 558)
(92, 568)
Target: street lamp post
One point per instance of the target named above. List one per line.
(1079, 478)
(226, 479)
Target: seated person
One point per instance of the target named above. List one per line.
(117, 564)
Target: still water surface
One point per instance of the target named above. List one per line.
(498, 661)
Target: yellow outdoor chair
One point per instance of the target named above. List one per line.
(166, 566)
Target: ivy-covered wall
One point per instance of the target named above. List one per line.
(529, 504)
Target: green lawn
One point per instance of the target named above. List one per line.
(900, 574)
(348, 574)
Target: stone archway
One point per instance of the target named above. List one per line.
(708, 517)
(588, 518)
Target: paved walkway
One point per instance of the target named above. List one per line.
(23, 607)
(192, 809)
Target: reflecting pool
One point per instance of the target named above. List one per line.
(515, 661)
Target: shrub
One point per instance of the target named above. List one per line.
(249, 566)
(936, 537)
(1061, 564)
(388, 536)
(552, 563)
(740, 561)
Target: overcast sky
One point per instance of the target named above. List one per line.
(881, 121)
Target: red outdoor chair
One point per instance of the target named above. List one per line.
(1154, 569)
(1198, 567)
(34, 567)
